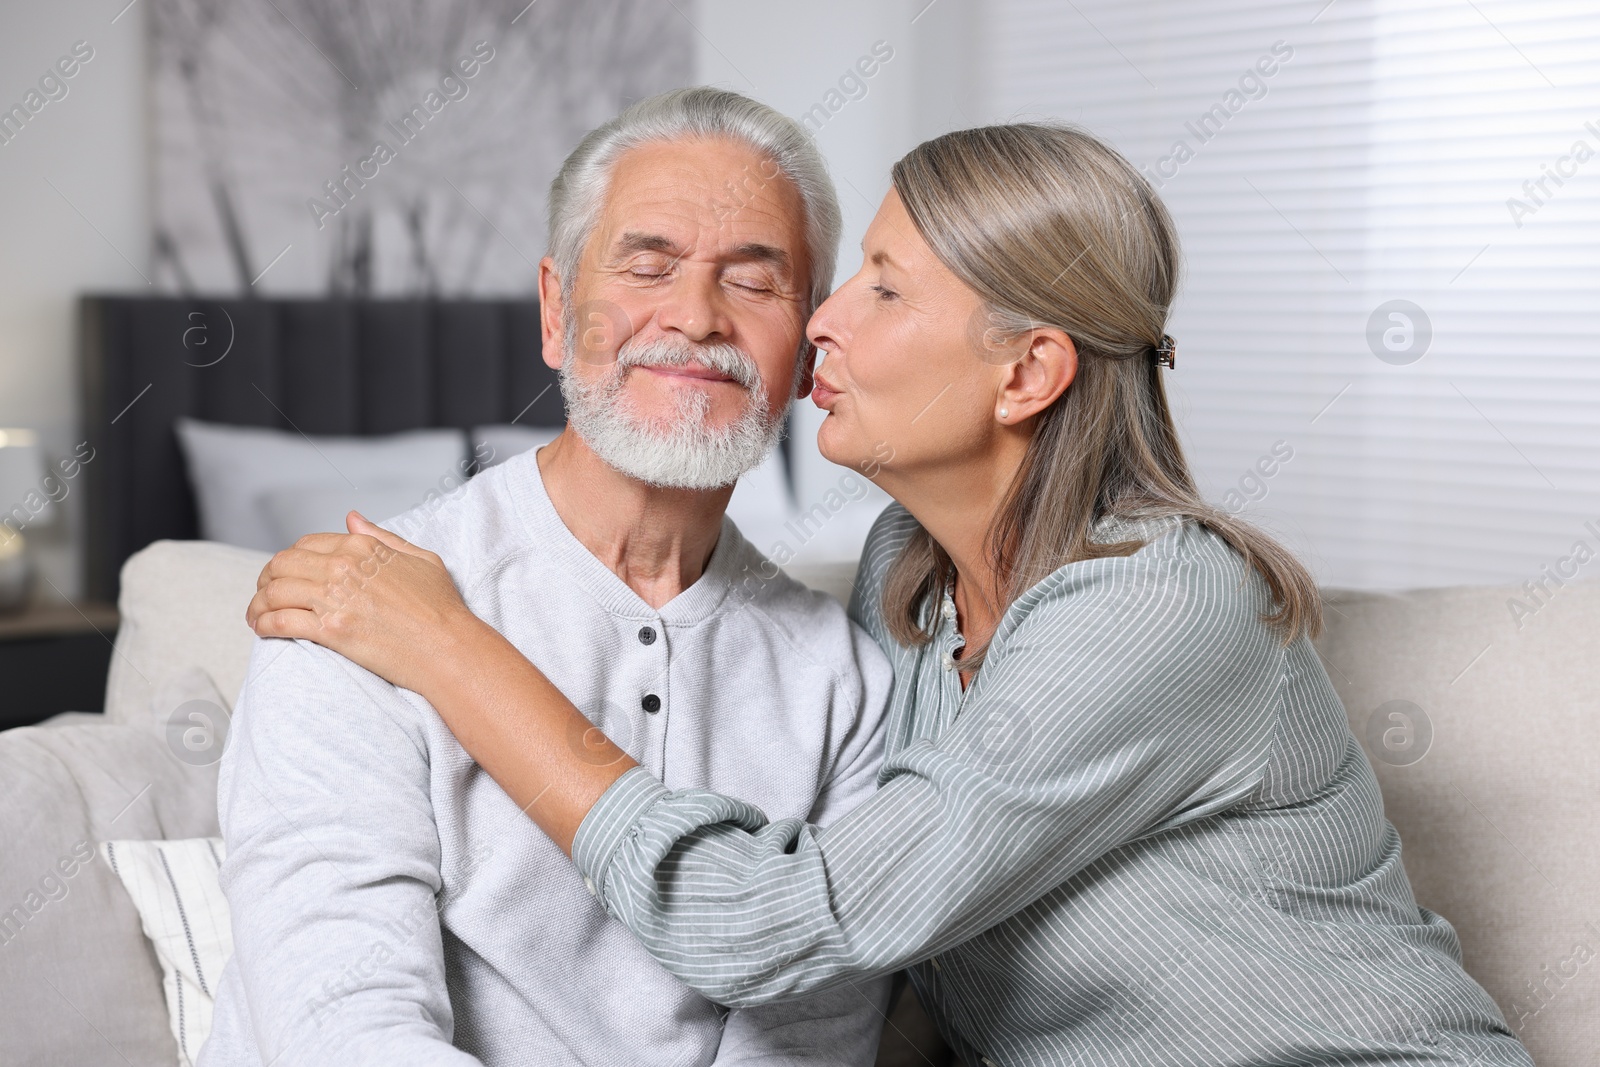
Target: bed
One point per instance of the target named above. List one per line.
(312, 366)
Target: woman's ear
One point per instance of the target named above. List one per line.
(550, 313)
(1037, 377)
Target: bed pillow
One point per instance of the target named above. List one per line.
(234, 469)
(294, 512)
(493, 445)
(181, 908)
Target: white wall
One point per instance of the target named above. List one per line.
(1373, 164)
(91, 146)
(791, 56)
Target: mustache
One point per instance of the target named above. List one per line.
(675, 352)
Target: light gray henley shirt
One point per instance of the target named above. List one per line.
(390, 903)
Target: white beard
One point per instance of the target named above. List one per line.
(679, 451)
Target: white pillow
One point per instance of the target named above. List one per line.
(234, 468)
(493, 445)
(184, 914)
(294, 512)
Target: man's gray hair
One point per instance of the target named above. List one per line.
(579, 189)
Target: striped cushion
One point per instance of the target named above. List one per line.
(184, 914)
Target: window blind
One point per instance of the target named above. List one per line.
(1390, 212)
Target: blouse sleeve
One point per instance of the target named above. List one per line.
(1124, 696)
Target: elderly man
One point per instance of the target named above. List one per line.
(391, 905)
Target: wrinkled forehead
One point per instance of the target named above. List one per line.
(706, 198)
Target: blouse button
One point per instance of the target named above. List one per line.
(949, 661)
(647, 635)
(949, 609)
(651, 703)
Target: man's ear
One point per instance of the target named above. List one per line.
(1037, 378)
(808, 360)
(550, 309)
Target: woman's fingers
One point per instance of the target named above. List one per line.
(340, 556)
(360, 524)
(297, 560)
(288, 622)
(291, 562)
(352, 552)
(275, 596)
(322, 542)
(295, 593)
(295, 563)
(354, 593)
(318, 581)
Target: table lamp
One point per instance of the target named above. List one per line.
(26, 505)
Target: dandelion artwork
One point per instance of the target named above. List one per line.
(363, 148)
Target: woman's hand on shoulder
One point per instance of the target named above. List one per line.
(370, 596)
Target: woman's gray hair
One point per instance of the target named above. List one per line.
(1051, 227)
(579, 189)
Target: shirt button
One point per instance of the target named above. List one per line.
(987, 1062)
(588, 883)
(651, 703)
(934, 963)
(647, 635)
(949, 609)
(949, 662)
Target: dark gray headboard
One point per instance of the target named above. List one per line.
(319, 366)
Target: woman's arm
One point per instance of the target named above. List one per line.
(376, 599)
(1138, 694)
(1134, 694)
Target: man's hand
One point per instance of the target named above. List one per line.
(370, 596)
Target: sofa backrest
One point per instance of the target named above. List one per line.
(182, 606)
(1478, 709)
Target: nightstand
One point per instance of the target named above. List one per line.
(53, 658)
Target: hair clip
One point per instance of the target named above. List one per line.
(1167, 352)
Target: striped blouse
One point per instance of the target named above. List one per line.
(1143, 834)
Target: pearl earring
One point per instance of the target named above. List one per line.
(1004, 413)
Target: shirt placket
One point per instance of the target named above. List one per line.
(653, 698)
(948, 640)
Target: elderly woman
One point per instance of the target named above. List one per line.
(1122, 819)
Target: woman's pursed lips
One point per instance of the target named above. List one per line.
(822, 391)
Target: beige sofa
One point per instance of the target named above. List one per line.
(1496, 815)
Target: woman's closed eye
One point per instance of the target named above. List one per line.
(884, 293)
